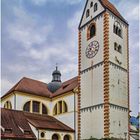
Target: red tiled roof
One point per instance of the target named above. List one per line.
(38, 88)
(66, 87)
(18, 122)
(46, 122)
(14, 122)
(107, 5)
(112, 8)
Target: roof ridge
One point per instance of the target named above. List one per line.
(33, 80)
(70, 80)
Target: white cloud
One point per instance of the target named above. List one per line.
(129, 9)
(26, 30)
(42, 2)
(5, 84)
(39, 2)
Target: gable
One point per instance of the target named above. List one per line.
(103, 5)
(92, 13)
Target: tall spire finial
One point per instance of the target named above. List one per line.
(56, 66)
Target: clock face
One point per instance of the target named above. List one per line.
(92, 49)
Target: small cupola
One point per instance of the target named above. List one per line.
(56, 75)
(55, 84)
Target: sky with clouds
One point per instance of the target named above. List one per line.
(37, 34)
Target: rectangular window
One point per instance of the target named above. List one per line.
(36, 106)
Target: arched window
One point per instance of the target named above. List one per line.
(87, 13)
(55, 137)
(65, 109)
(117, 29)
(27, 106)
(91, 4)
(67, 137)
(55, 110)
(91, 32)
(60, 107)
(95, 7)
(35, 105)
(8, 105)
(44, 109)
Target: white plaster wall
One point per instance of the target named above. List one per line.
(92, 87)
(92, 13)
(68, 117)
(92, 81)
(122, 57)
(92, 124)
(35, 131)
(21, 99)
(118, 91)
(86, 62)
(118, 87)
(8, 98)
(49, 133)
(118, 116)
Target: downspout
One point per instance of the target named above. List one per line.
(14, 101)
(74, 115)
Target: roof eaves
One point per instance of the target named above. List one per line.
(83, 14)
(12, 89)
(121, 18)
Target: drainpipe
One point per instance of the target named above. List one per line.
(74, 114)
(14, 101)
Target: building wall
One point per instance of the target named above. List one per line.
(10, 98)
(119, 123)
(92, 123)
(92, 13)
(69, 118)
(49, 134)
(92, 117)
(118, 77)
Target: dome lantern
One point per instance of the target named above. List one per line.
(55, 84)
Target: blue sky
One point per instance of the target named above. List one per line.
(37, 34)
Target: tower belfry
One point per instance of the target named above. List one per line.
(103, 102)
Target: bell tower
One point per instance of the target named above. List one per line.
(103, 101)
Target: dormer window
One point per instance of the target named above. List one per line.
(87, 13)
(91, 31)
(117, 29)
(95, 7)
(91, 4)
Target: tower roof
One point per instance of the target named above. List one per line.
(56, 81)
(107, 5)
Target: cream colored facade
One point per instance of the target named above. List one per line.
(19, 99)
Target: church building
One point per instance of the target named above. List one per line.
(94, 104)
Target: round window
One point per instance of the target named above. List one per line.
(42, 134)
